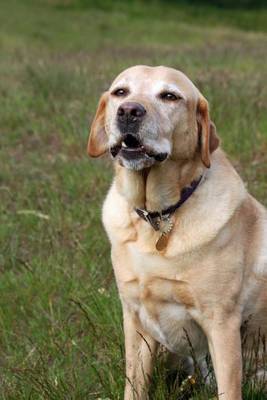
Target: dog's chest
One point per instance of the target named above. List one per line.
(149, 282)
(164, 322)
(157, 296)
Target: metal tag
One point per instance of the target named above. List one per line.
(162, 242)
(166, 226)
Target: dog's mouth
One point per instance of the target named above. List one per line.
(132, 148)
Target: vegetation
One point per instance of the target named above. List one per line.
(60, 317)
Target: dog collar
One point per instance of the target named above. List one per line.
(154, 217)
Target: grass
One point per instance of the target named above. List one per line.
(60, 317)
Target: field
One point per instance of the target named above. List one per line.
(60, 317)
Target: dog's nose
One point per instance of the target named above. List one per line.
(131, 112)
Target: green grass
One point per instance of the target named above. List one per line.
(60, 317)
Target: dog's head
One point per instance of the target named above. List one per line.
(150, 114)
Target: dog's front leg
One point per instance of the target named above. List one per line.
(225, 348)
(140, 349)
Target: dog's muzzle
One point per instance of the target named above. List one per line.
(130, 116)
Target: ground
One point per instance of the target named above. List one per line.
(60, 318)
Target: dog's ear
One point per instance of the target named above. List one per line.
(98, 140)
(208, 138)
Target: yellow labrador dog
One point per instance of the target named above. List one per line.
(189, 244)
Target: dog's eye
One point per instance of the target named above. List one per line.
(120, 92)
(168, 96)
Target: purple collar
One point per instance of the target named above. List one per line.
(154, 217)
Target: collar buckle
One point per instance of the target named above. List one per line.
(153, 220)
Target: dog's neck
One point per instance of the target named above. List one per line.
(158, 187)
